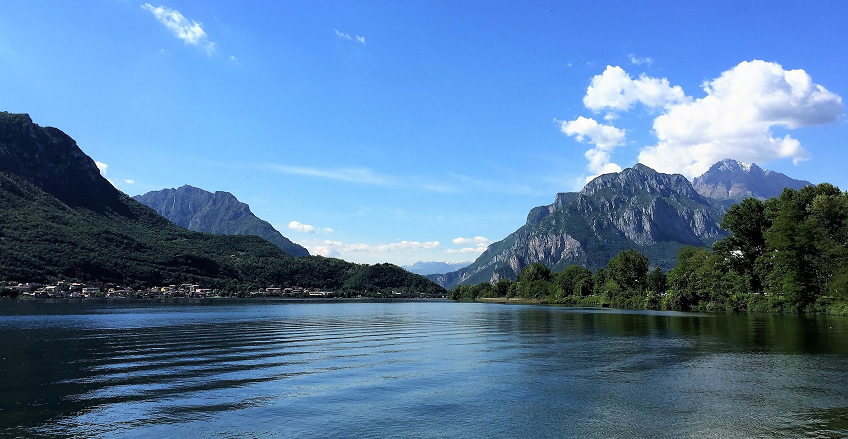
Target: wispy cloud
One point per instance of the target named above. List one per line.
(452, 184)
(480, 244)
(639, 61)
(190, 31)
(345, 36)
(128, 181)
(354, 175)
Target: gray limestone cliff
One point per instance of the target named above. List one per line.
(637, 208)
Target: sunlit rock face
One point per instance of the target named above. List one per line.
(735, 180)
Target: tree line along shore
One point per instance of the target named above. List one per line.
(787, 254)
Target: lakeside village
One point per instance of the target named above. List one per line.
(101, 290)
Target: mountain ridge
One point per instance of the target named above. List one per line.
(214, 212)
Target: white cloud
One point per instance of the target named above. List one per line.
(304, 228)
(337, 248)
(475, 240)
(342, 35)
(345, 36)
(480, 244)
(639, 61)
(191, 32)
(233, 58)
(128, 181)
(605, 138)
(615, 90)
(736, 117)
(328, 230)
(102, 167)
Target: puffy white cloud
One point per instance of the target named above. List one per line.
(604, 137)
(736, 117)
(128, 181)
(304, 228)
(102, 167)
(191, 32)
(325, 250)
(615, 90)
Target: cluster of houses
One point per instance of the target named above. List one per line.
(273, 291)
(74, 290)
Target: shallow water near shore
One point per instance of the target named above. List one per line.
(415, 369)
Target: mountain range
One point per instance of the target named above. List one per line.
(636, 208)
(60, 219)
(219, 212)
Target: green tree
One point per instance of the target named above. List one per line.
(628, 269)
(573, 280)
(656, 281)
(502, 287)
(535, 272)
(599, 280)
(748, 224)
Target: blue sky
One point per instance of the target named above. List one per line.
(404, 131)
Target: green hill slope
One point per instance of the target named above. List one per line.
(59, 218)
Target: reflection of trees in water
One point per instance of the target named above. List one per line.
(754, 333)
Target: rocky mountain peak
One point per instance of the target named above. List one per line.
(214, 212)
(637, 208)
(732, 180)
(640, 178)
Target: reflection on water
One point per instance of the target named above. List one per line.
(415, 369)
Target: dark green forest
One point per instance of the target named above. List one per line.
(43, 240)
(787, 254)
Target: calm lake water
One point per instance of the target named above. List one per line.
(415, 369)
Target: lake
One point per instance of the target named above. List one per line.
(360, 369)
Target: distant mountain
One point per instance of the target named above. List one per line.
(59, 218)
(735, 180)
(220, 212)
(637, 208)
(425, 268)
